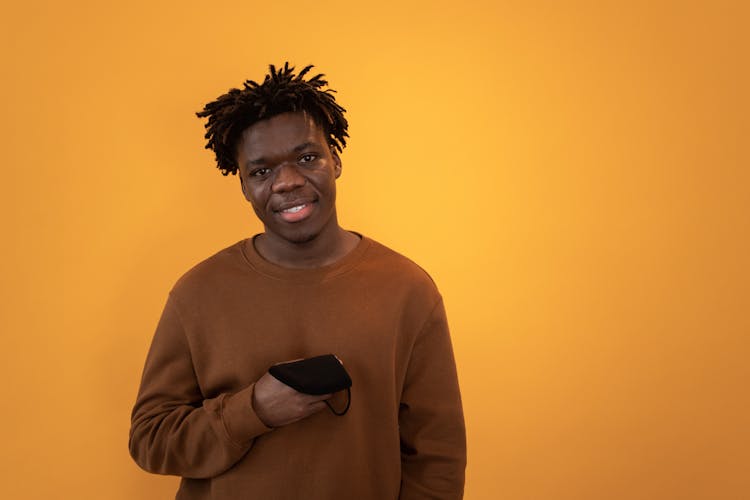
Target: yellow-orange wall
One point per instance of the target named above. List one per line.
(574, 175)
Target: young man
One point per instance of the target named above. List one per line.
(208, 409)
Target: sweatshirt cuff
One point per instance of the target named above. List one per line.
(240, 420)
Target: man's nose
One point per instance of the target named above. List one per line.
(287, 178)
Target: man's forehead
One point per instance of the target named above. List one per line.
(279, 134)
(292, 122)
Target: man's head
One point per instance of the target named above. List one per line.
(281, 92)
(282, 137)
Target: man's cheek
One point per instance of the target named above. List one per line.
(258, 211)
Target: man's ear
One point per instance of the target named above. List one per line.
(336, 162)
(242, 185)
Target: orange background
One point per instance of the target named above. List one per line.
(574, 175)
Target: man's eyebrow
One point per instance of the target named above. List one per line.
(303, 146)
(296, 149)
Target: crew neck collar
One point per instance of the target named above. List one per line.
(310, 275)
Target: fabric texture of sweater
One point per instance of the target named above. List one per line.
(231, 317)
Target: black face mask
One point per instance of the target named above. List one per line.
(318, 375)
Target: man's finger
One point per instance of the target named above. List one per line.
(321, 398)
(316, 407)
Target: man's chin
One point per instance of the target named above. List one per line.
(299, 237)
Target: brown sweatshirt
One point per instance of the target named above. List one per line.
(231, 317)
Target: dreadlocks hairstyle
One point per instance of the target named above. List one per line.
(281, 91)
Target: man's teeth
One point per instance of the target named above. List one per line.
(293, 209)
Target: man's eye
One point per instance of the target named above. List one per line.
(259, 172)
(307, 158)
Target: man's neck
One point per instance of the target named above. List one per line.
(321, 251)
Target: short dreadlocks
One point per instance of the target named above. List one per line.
(281, 91)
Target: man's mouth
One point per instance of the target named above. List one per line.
(296, 213)
(294, 210)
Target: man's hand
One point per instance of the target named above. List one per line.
(277, 404)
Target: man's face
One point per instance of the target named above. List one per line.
(288, 174)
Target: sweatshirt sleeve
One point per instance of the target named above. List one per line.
(174, 429)
(431, 423)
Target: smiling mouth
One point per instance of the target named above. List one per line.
(296, 213)
(294, 210)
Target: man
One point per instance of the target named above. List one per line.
(209, 411)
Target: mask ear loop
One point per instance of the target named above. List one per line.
(348, 403)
